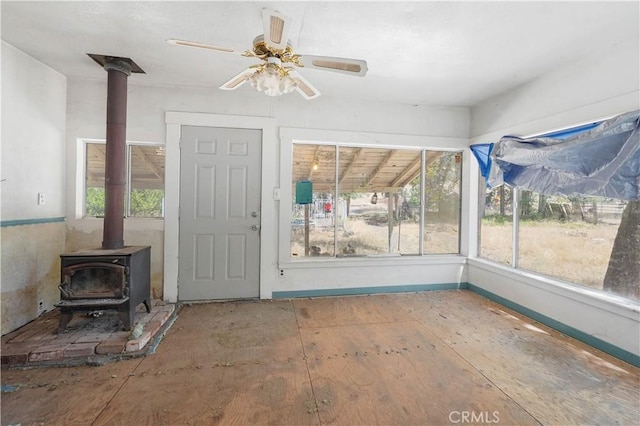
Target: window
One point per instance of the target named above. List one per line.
(496, 223)
(568, 238)
(442, 190)
(588, 240)
(312, 224)
(367, 201)
(144, 196)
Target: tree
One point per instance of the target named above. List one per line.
(623, 272)
(94, 201)
(526, 203)
(146, 202)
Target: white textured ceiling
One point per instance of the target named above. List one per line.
(423, 53)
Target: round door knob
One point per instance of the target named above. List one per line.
(254, 227)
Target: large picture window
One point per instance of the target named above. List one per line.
(578, 218)
(144, 196)
(367, 201)
(568, 238)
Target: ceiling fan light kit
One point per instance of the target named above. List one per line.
(273, 47)
(273, 80)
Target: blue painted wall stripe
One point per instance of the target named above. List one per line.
(366, 290)
(19, 222)
(626, 356)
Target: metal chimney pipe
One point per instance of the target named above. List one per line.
(118, 70)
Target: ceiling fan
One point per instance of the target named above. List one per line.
(277, 73)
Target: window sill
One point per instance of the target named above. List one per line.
(377, 260)
(589, 296)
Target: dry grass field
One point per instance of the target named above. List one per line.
(573, 251)
(577, 252)
(359, 238)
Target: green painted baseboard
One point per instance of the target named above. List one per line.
(293, 294)
(38, 221)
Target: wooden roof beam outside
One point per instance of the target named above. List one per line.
(156, 171)
(101, 156)
(411, 176)
(351, 165)
(313, 162)
(408, 173)
(380, 166)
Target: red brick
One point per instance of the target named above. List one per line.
(143, 319)
(47, 334)
(68, 337)
(15, 359)
(152, 327)
(138, 344)
(26, 333)
(16, 353)
(111, 346)
(80, 350)
(50, 352)
(92, 338)
(161, 317)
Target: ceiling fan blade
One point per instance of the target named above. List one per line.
(356, 67)
(200, 45)
(276, 29)
(303, 86)
(239, 79)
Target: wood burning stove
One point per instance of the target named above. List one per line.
(98, 279)
(115, 276)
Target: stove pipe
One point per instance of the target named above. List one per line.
(115, 177)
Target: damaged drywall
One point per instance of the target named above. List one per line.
(30, 271)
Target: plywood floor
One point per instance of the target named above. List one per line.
(450, 357)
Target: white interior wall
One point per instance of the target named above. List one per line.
(32, 162)
(146, 118)
(147, 106)
(33, 129)
(598, 87)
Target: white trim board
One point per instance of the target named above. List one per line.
(174, 120)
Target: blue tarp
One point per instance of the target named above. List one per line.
(601, 159)
(482, 152)
(567, 133)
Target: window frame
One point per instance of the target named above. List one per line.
(555, 281)
(81, 205)
(291, 136)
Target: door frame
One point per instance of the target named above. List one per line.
(268, 219)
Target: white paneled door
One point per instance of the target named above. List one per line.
(219, 213)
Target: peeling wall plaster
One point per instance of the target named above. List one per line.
(30, 271)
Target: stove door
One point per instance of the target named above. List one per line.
(94, 280)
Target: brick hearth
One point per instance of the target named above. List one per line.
(88, 338)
